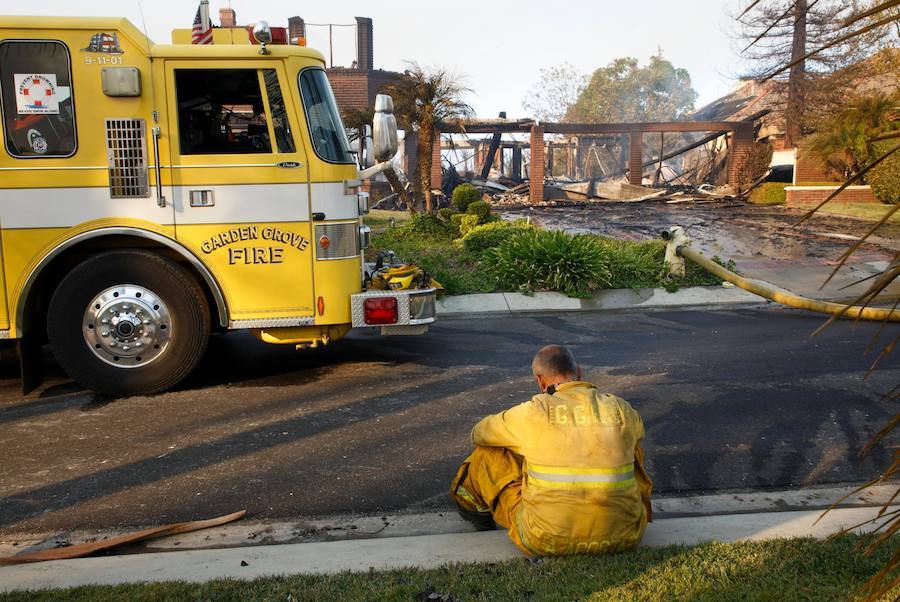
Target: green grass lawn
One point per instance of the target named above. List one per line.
(379, 219)
(867, 211)
(779, 570)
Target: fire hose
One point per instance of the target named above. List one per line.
(679, 248)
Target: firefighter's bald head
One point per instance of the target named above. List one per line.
(554, 364)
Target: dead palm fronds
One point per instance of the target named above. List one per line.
(887, 522)
(875, 16)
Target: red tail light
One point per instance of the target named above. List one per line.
(380, 310)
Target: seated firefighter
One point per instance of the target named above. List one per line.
(564, 472)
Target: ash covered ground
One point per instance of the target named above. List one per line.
(731, 232)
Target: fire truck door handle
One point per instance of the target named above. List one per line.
(160, 198)
(318, 217)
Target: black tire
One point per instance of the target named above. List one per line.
(185, 323)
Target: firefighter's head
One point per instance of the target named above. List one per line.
(554, 364)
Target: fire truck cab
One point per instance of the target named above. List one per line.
(151, 194)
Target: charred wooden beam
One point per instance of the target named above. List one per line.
(684, 149)
(491, 154)
(656, 127)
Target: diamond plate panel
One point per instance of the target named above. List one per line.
(273, 323)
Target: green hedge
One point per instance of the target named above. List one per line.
(487, 236)
(885, 177)
(769, 193)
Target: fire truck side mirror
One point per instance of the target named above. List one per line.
(384, 128)
(366, 148)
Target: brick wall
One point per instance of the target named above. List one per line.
(364, 48)
(635, 157)
(536, 170)
(296, 28)
(799, 195)
(741, 145)
(355, 89)
(809, 168)
(351, 88)
(227, 17)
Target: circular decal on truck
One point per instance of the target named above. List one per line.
(37, 141)
(36, 94)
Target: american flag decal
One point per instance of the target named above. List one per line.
(107, 43)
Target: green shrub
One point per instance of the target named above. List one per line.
(445, 213)
(464, 195)
(634, 264)
(467, 222)
(487, 236)
(456, 222)
(455, 269)
(884, 178)
(482, 209)
(422, 224)
(549, 260)
(769, 193)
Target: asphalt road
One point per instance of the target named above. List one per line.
(735, 399)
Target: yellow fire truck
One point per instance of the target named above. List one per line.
(151, 194)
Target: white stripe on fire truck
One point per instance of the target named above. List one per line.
(241, 203)
(329, 198)
(65, 207)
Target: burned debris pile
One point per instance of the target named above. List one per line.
(561, 193)
(525, 163)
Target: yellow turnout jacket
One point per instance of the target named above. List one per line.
(584, 487)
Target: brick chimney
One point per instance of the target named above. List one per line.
(296, 28)
(364, 44)
(227, 18)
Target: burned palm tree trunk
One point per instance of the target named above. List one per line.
(399, 189)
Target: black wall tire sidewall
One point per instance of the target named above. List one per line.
(188, 309)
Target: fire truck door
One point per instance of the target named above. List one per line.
(241, 184)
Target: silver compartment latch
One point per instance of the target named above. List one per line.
(202, 198)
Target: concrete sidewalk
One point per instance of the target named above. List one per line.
(607, 300)
(427, 551)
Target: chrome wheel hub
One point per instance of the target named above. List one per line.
(127, 326)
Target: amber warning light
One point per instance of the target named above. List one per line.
(380, 310)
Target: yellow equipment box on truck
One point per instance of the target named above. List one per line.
(150, 194)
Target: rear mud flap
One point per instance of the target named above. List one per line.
(31, 364)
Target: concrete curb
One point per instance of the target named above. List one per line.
(427, 551)
(415, 521)
(608, 300)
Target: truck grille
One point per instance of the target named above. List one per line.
(126, 153)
